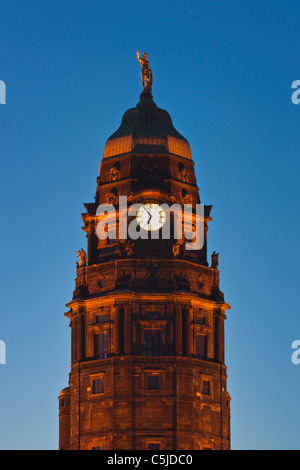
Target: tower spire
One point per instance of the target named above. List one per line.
(147, 317)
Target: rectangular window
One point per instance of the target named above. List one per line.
(101, 345)
(152, 343)
(97, 448)
(205, 389)
(153, 382)
(154, 446)
(98, 386)
(201, 346)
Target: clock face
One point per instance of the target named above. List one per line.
(151, 216)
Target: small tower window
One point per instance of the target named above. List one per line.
(153, 382)
(98, 386)
(205, 388)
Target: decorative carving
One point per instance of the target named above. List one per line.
(101, 282)
(183, 175)
(114, 173)
(130, 197)
(124, 281)
(181, 282)
(179, 249)
(129, 248)
(187, 199)
(176, 249)
(146, 73)
(111, 198)
(199, 283)
(81, 254)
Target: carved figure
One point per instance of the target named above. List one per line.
(82, 257)
(215, 260)
(146, 73)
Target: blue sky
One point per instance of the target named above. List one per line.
(223, 70)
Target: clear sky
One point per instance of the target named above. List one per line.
(223, 69)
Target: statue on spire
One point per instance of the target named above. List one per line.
(81, 254)
(146, 73)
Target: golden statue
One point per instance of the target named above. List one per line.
(145, 72)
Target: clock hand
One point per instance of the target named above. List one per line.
(148, 213)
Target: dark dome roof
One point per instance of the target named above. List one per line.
(147, 129)
(65, 391)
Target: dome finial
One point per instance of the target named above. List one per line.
(146, 73)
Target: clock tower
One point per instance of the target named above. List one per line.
(147, 316)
